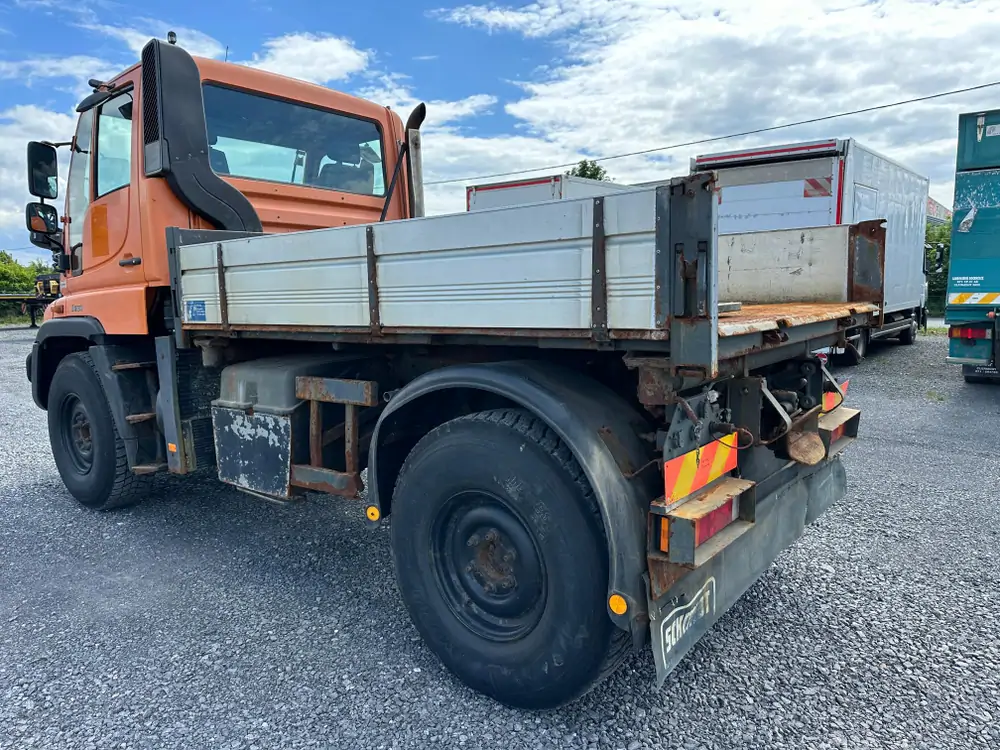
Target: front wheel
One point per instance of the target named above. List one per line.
(909, 335)
(89, 453)
(502, 562)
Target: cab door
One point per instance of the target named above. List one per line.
(106, 278)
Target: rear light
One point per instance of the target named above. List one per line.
(968, 332)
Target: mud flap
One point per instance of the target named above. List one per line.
(680, 618)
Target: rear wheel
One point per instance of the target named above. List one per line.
(502, 561)
(89, 453)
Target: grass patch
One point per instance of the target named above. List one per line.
(936, 331)
(17, 320)
(935, 396)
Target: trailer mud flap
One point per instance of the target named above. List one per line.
(684, 614)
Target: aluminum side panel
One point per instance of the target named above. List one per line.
(521, 267)
(785, 195)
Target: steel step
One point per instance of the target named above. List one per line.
(839, 428)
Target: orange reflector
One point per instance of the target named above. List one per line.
(831, 399)
(172, 447)
(692, 471)
(617, 604)
(372, 513)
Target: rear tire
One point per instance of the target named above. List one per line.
(502, 561)
(87, 449)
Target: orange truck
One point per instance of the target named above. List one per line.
(590, 424)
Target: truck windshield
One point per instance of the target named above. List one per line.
(263, 138)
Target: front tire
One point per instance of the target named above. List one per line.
(502, 561)
(909, 335)
(88, 451)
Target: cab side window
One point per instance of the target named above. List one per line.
(78, 192)
(114, 144)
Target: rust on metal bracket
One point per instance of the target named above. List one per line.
(223, 301)
(315, 434)
(328, 481)
(656, 386)
(373, 302)
(866, 264)
(337, 391)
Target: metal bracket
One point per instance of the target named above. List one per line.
(777, 407)
(599, 276)
(686, 292)
(352, 394)
(223, 302)
(373, 302)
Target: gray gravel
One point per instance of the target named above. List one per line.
(207, 619)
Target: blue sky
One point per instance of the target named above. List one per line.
(518, 85)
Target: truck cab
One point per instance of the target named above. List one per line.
(189, 142)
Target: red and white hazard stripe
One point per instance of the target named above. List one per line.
(818, 187)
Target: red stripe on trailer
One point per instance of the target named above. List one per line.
(840, 191)
(818, 187)
(525, 183)
(767, 152)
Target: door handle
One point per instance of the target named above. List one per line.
(130, 261)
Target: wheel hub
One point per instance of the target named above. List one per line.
(77, 434)
(489, 567)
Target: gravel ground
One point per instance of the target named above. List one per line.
(207, 619)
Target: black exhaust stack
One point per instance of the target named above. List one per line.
(175, 139)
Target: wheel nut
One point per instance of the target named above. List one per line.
(491, 535)
(473, 541)
(510, 556)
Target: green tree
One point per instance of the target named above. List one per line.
(938, 250)
(15, 278)
(589, 169)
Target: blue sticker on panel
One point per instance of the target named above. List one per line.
(194, 311)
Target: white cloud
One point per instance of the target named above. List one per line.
(425, 58)
(141, 30)
(77, 67)
(318, 58)
(18, 125)
(634, 74)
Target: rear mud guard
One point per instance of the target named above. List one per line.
(688, 610)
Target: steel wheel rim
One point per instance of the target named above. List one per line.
(488, 566)
(77, 434)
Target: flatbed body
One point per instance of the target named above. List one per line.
(598, 272)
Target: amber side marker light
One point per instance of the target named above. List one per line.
(617, 604)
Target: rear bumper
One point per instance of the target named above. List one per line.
(685, 613)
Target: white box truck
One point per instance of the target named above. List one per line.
(537, 190)
(822, 183)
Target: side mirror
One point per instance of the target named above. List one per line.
(43, 171)
(41, 218)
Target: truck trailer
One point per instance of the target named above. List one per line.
(829, 182)
(576, 452)
(974, 265)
